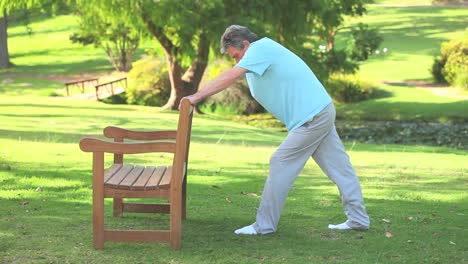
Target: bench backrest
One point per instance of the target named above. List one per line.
(184, 131)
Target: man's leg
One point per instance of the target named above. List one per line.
(332, 158)
(285, 165)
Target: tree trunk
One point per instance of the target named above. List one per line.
(177, 85)
(331, 39)
(186, 84)
(4, 55)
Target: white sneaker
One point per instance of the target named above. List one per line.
(246, 230)
(342, 226)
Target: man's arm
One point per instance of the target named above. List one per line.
(223, 81)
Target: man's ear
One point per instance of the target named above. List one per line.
(246, 43)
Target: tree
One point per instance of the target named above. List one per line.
(307, 24)
(4, 54)
(188, 30)
(118, 40)
(185, 29)
(23, 6)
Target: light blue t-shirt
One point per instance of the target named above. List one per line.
(282, 83)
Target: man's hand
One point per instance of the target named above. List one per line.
(191, 98)
(217, 85)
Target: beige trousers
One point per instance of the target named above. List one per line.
(317, 139)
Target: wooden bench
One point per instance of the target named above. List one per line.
(123, 180)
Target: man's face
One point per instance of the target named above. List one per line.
(236, 53)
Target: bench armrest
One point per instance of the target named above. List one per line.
(98, 145)
(120, 133)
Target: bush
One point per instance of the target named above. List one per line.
(436, 70)
(461, 80)
(149, 83)
(452, 63)
(349, 88)
(234, 100)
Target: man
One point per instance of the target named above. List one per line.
(282, 83)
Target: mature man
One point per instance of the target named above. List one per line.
(282, 83)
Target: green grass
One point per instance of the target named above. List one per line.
(405, 103)
(30, 86)
(53, 52)
(45, 180)
(420, 190)
(412, 36)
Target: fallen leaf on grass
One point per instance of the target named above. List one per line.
(326, 202)
(388, 234)
(249, 194)
(228, 200)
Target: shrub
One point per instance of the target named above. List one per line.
(436, 70)
(456, 52)
(233, 100)
(349, 88)
(452, 63)
(461, 80)
(149, 83)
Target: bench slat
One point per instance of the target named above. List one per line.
(144, 177)
(153, 182)
(109, 173)
(132, 176)
(166, 179)
(120, 175)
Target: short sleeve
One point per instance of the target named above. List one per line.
(253, 61)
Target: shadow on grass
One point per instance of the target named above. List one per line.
(207, 231)
(454, 112)
(420, 27)
(95, 65)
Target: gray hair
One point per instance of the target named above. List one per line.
(234, 36)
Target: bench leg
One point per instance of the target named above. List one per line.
(98, 200)
(184, 198)
(98, 221)
(176, 221)
(118, 207)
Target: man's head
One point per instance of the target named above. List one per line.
(236, 40)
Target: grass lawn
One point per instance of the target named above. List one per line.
(415, 194)
(412, 36)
